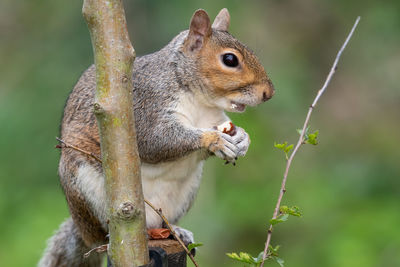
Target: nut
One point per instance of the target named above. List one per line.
(227, 127)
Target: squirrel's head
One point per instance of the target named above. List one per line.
(230, 70)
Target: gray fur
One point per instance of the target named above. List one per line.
(65, 249)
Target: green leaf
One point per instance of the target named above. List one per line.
(301, 130)
(246, 258)
(279, 219)
(279, 261)
(242, 257)
(294, 211)
(285, 211)
(280, 146)
(255, 262)
(309, 138)
(273, 250)
(312, 138)
(288, 148)
(233, 256)
(194, 245)
(284, 147)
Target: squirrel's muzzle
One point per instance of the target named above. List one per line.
(267, 90)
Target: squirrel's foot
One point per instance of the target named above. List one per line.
(185, 235)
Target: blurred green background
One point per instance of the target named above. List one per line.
(348, 186)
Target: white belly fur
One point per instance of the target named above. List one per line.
(171, 186)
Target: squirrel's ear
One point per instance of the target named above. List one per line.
(200, 29)
(222, 20)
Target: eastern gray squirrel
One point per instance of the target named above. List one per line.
(180, 95)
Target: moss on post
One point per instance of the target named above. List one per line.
(114, 56)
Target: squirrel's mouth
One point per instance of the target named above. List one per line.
(239, 107)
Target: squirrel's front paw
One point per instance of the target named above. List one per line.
(242, 141)
(222, 145)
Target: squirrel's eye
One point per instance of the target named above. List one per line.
(230, 60)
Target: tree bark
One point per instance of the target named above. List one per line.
(114, 56)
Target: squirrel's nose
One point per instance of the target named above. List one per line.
(268, 93)
(265, 96)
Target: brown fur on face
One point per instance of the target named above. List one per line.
(226, 81)
(208, 45)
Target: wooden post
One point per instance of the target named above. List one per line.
(114, 56)
(175, 254)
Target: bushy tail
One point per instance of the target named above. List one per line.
(66, 249)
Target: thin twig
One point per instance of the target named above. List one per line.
(301, 138)
(66, 145)
(158, 211)
(99, 249)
